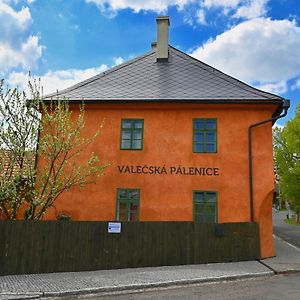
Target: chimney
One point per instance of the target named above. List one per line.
(162, 52)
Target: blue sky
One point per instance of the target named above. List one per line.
(64, 42)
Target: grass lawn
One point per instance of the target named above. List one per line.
(291, 222)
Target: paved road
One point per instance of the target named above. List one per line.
(278, 287)
(289, 233)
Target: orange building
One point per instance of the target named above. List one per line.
(177, 136)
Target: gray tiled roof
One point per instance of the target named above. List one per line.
(182, 78)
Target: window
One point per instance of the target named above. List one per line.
(132, 134)
(205, 207)
(128, 204)
(205, 135)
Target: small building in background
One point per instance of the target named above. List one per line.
(176, 136)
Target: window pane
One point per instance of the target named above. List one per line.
(199, 137)
(133, 212)
(198, 124)
(198, 147)
(126, 135)
(137, 135)
(126, 124)
(210, 148)
(133, 194)
(197, 208)
(205, 207)
(201, 218)
(210, 209)
(137, 144)
(199, 196)
(211, 197)
(132, 134)
(122, 211)
(210, 137)
(210, 124)
(205, 135)
(125, 144)
(122, 194)
(197, 217)
(138, 124)
(128, 204)
(202, 207)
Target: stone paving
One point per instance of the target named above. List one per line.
(105, 280)
(287, 259)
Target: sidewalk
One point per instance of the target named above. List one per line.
(63, 284)
(287, 259)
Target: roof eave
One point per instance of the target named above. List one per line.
(278, 101)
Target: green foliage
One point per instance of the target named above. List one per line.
(287, 155)
(43, 153)
(292, 222)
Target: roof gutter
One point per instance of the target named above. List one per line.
(284, 107)
(167, 100)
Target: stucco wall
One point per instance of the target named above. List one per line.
(168, 131)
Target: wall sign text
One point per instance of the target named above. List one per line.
(172, 170)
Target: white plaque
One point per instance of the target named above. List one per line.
(114, 227)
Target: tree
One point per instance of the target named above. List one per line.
(32, 131)
(287, 156)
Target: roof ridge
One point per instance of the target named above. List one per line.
(225, 76)
(100, 75)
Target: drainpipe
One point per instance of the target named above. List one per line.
(285, 107)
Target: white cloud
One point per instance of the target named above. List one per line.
(258, 50)
(54, 80)
(26, 56)
(296, 85)
(221, 3)
(253, 9)
(13, 23)
(246, 9)
(201, 17)
(118, 60)
(17, 47)
(280, 87)
(138, 5)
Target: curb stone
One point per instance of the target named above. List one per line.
(287, 272)
(132, 287)
(135, 287)
(20, 296)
